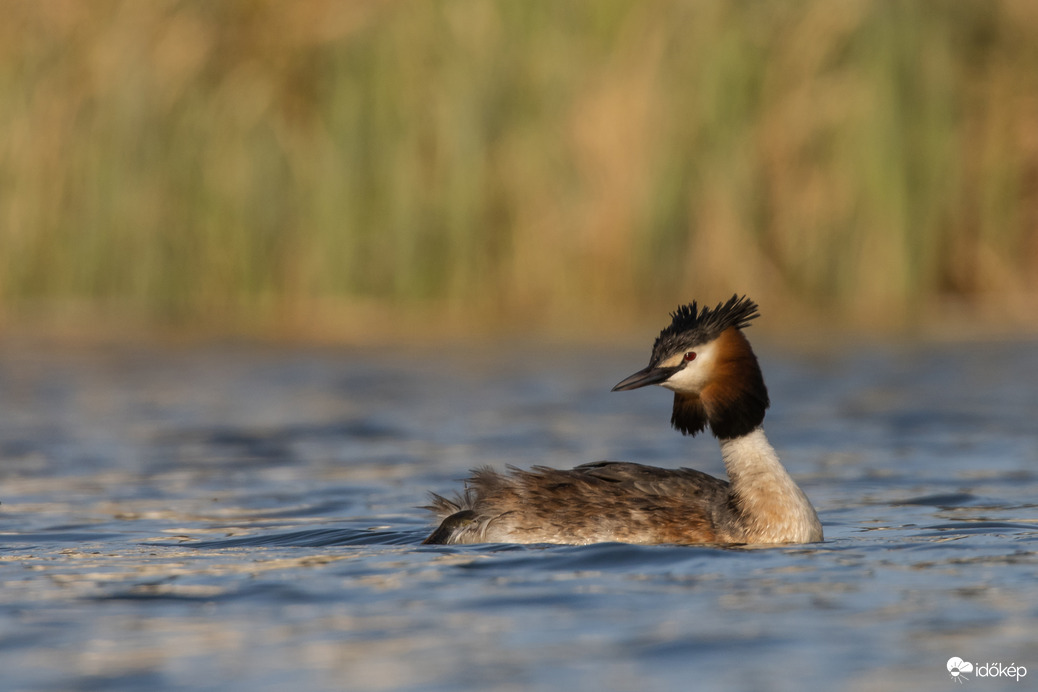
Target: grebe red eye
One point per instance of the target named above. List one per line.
(691, 355)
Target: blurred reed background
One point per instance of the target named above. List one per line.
(351, 168)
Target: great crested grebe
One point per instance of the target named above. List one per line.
(706, 360)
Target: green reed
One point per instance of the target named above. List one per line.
(542, 162)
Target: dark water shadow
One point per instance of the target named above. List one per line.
(315, 538)
(259, 439)
(942, 500)
(597, 556)
(981, 527)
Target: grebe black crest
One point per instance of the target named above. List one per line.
(704, 358)
(737, 398)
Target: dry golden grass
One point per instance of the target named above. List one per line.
(326, 166)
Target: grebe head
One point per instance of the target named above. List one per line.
(705, 359)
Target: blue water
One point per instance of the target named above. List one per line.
(237, 517)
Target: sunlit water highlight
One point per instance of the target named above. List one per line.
(243, 518)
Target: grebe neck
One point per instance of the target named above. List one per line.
(769, 506)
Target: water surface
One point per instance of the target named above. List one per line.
(236, 517)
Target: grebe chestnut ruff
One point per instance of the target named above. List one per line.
(706, 360)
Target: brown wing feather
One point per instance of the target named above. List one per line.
(630, 472)
(601, 501)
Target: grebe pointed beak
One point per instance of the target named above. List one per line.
(642, 378)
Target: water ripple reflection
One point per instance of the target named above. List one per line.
(244, 518)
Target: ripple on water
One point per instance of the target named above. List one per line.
(242, 519)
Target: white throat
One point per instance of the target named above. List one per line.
(774, 508)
